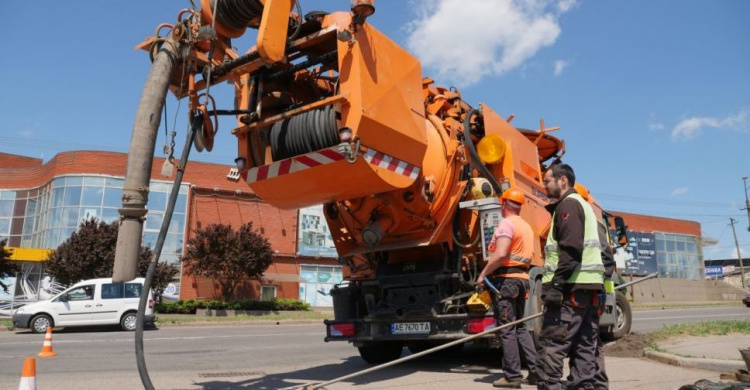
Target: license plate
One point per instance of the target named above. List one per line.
(410, 328)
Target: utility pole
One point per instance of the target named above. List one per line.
(732, 221)
(747, 203)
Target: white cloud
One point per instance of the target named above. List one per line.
(679, 191)
(466, 40)
(733, 253)
(655, 126)
(560, 65)
(692, 127)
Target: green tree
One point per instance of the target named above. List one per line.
(227, 256)
(89, 253)
(7, 267)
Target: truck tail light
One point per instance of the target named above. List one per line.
(345, 329)
(150, 303)
(479, 325)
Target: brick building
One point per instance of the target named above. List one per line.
(41, 204)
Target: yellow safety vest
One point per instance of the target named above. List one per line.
(592, 268)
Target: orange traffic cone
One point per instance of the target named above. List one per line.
(47, 347)
(28, 375)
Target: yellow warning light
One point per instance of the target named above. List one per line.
(491, 148)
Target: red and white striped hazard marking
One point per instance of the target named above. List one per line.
(294, 164)
(327, 156)
(391, 163)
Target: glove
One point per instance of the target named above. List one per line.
(554, 296)
(609, 286)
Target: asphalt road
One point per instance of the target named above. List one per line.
(278, 356)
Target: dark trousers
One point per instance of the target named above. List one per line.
(601, 379)
(508, 306)
(569, 331)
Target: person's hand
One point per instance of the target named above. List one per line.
(480, 282)
(553, 296)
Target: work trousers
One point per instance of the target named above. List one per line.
(569, 331)
(508, 306)
(601, 379)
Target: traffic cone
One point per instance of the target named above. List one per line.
(47, 347)
(28, 375)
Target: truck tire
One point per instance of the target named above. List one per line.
(381, 352)
(624, 319)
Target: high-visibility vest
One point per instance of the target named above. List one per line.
(518, 261)
(592, 268)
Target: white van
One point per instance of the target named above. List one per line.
(86, 303)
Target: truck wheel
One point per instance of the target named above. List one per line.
(40, 323)
(623, 319)
(127, 323)
(381, 352)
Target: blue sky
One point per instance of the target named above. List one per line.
(653, 96)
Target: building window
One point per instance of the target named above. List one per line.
(679, 256)
(267, 293)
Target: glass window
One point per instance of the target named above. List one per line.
(157, 201)
(680, 246)
(177, 224)
(74, 181)
(133, 290)
(110, 215)
(89, 213)
(112, 290)
(72, 196)
(83, 293)
(57, 197)
(7, 195)
(55, 216)
(92, 196)
(58, 182)
(31, 207)
(113, 197)
(173, 243)
(154, 220)
(93, 181)
(180, 205)
(267, 293)
(671, 245)
(4, 226)
(69, 217)
(149, 239)
(6, 208)
(691, 247)
(112, 182)
(65, 235)
(170, 258)
(160, 187)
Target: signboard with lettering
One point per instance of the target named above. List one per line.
(716, 271)
(640, 258)
(314, 239)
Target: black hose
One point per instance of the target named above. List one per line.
(139, 355)
(237, 14)
(307, 132)
(476, 162)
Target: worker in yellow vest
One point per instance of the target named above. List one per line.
(512, 247)
(572, 283)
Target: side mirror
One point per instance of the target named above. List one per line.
(621, 229)
(64, 298)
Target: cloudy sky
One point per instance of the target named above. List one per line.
(652, 96)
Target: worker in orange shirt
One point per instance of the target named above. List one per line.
(512, 246)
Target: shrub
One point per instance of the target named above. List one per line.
(190, 306)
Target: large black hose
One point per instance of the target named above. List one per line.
(307, 132)
(237, 14)
(476, 162)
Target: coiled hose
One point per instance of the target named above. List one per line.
(307, 132)
(237, 14)
(476, 162)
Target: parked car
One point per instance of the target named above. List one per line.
(746, 300)
(90, 302)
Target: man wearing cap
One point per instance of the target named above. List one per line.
(512, 246)
(572, 283)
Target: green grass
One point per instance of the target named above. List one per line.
(193, 319)
(704, 328)
(673, 305)
(6, 323)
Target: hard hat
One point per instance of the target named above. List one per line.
(514, 195)
(581, 190)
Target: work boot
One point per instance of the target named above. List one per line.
(531, 379)
(506, 384)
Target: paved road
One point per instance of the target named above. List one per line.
(277, 356)
(650, 320)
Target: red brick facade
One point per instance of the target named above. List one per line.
(650, 224)
(212, 199)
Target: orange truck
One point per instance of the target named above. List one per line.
(328, 110)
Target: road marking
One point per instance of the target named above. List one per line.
(683, 317)
(57, 341)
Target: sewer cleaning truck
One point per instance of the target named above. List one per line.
(328, 110)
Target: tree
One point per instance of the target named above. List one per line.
(89, 253)
(7, 267)
(228, 256)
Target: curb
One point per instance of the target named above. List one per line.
(717, 365)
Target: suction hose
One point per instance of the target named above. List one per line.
(476, 162)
